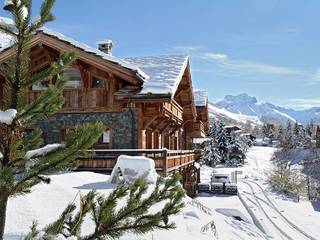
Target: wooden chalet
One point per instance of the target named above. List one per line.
(146, 103)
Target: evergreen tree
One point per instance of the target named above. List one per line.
(111, 222)
(309, 129)
(21, 169)
(265, 131)
(236, 151)
(223, 142)
(211, 154)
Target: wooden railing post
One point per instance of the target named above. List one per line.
(165, 162)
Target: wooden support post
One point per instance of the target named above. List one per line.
(165, 162)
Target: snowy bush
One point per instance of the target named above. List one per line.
(284, 176)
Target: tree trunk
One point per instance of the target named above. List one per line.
(3, 209)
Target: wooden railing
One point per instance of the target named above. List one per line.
(174, 108)
(166, 161)
(79, 99)
(198, 126)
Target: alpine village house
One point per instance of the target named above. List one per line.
(147, 104)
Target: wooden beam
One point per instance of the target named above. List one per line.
(148, 121)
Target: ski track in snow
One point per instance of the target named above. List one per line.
(265, 213)
(265, 210)
(296, 227)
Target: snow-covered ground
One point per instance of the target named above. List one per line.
(46, 202)
(264, 214)
(276, 216)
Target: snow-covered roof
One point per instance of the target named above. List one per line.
(200, 98)
(161, 74)
(165, 72)
(6, 42)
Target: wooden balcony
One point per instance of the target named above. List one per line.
(166, 161)
(196, 129)
(77, 100)
(173, 109)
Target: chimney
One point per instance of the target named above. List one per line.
(105, 46)
(8, 4)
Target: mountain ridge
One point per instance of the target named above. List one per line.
(245, 107)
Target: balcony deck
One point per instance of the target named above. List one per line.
(166, 161)
(78, 100)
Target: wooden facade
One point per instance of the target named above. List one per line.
(165, 123)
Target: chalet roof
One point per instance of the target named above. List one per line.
(200, 98)
(6, 42)
(165, 72)
(160, 74)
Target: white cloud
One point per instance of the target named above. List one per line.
(244, 67)
(303, 103)
(215, 56)
(187, 49)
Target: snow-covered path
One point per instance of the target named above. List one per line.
(274, 223)
(264, 211)
(275, 216)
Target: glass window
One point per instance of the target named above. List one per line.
(97, 82)
(74, 78)
(40, 86)
(106, 136)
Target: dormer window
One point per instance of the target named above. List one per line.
(74, 78)
(97, 82)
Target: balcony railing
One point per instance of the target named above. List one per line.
(198, 126)
(79, 99)
(174, 108)
(166, 161)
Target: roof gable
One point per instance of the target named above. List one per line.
(200, 98)
(6, 43)
(165, 72)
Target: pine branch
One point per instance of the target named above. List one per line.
(113, 224)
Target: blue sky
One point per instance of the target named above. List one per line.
(267, 48)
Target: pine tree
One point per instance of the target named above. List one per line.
(21, 169)
(236, 151)
(110, 223)
(211, 154)
(223, 142)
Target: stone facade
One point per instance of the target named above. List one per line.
(123, 125)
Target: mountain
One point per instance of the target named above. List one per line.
(244, 108)
(231, 118)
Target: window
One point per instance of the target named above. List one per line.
(105, 140)
(40, 85)
(97, 82)
(106, 136)
(74, 78)
(63, 134)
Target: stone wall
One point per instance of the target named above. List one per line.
(120, 123)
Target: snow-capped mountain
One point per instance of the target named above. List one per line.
(244, 108)
(229, 117)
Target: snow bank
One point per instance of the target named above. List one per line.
(133, 168)
(44, 150)
(46, 202)
(7, 116)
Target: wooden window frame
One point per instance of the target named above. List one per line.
(106, 81)
(100, 144)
